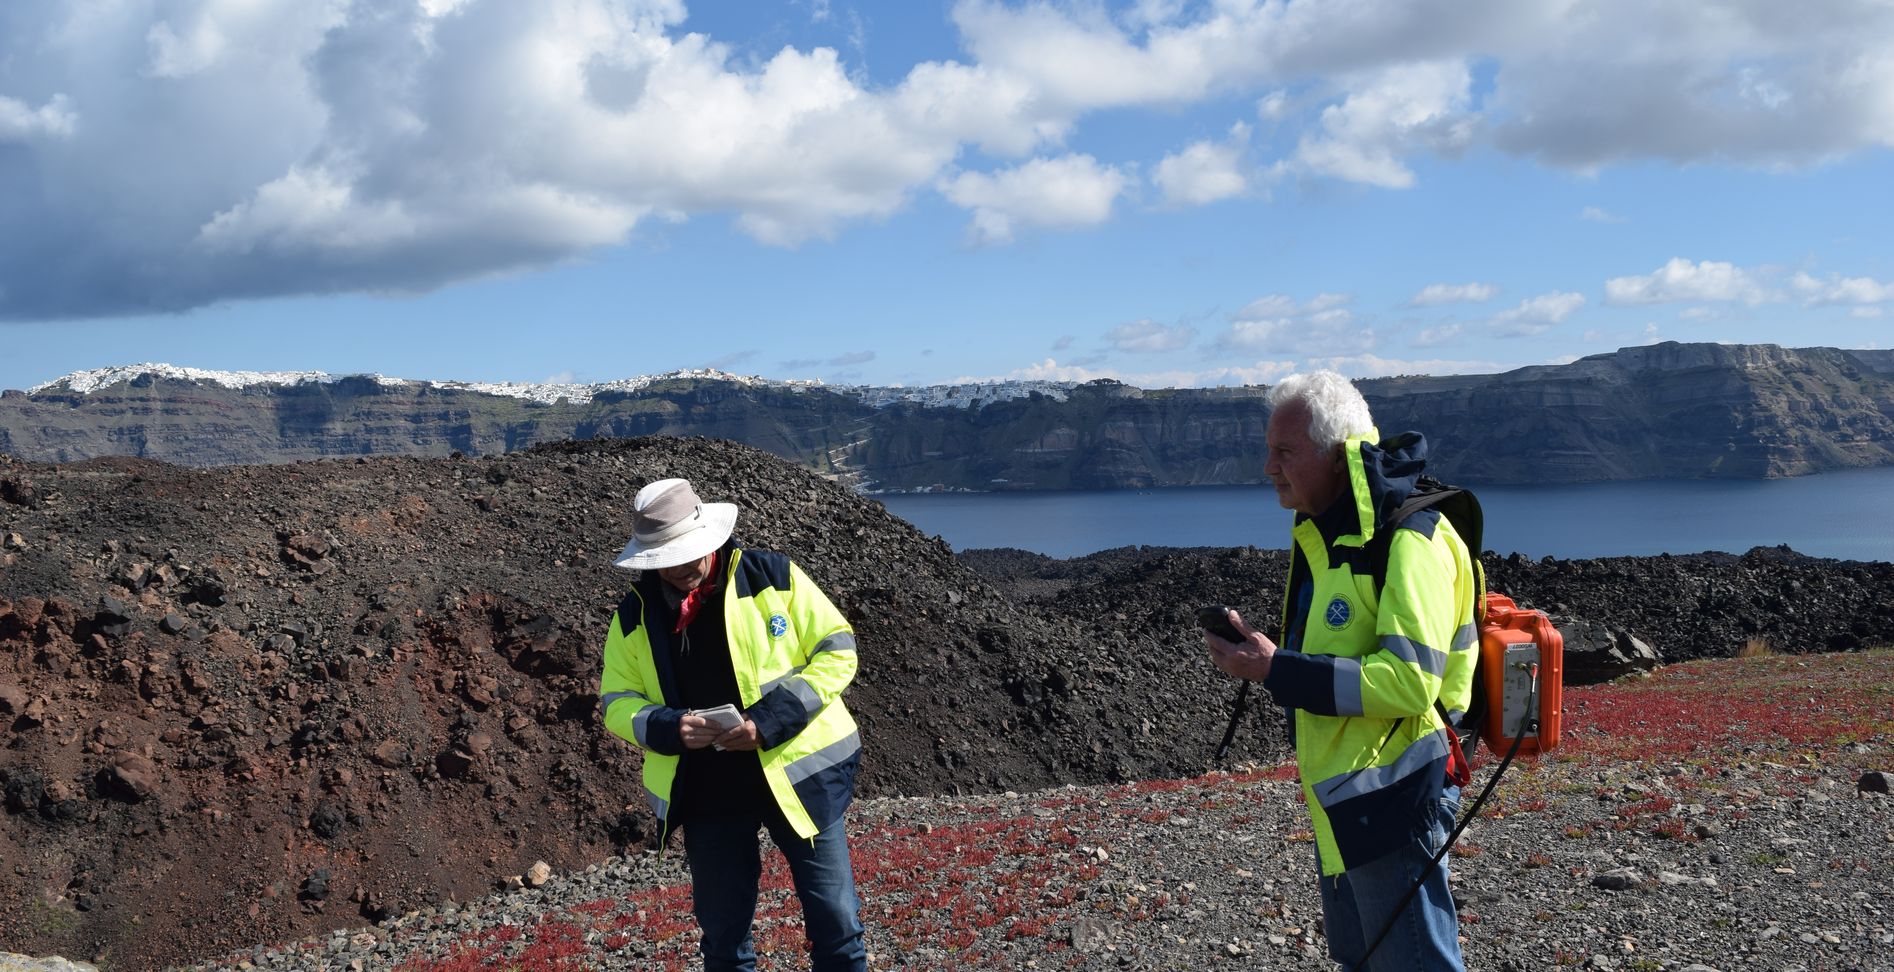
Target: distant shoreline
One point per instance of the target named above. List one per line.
(1818, 516)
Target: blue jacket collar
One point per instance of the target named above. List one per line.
(1381, 475)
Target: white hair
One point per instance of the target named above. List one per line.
(1336, 409)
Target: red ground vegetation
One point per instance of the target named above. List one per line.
(946, 888)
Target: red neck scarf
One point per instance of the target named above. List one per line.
(695, 598)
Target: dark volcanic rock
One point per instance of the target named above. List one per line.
(1600, 652)
(24, 789)
(1698, 606)
(373, 635)
(1714, 605)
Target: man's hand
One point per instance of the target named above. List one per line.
(697, 731)
(1248, 658)
(742, 739)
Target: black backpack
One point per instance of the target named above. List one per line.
(1462, 509)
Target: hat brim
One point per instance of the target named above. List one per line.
(719, 520)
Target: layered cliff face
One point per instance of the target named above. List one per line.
(202, 423)
(1662, 411)
(1105, 435)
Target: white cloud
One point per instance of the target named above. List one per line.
(1203, 172)
(1264, 371)
(365, 146)
(1837, 289)
(1756, 83)
(1260, 373)
(1081, 60)
(1273, 106)
(1277, 324)
(20, 122)
(1372, 366)
(1680, 279)
(312, 207)
(1153, 13)
(1269, 305)
(1596, 215)
(1433, 295)
(175, 55)
(421, 145)
(1537, 315)
(1149, 337)
(998, 111)
(1385, 117)
(1761, 84)
(1438, 335)
(1283, 305)
(1068, 192)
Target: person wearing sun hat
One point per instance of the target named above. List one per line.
(711, 625)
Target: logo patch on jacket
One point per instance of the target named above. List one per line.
(778, 625)
(1338, 613)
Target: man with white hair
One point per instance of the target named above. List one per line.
(1366, 672)
(726, 665)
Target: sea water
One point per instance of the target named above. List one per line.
(1847, 515)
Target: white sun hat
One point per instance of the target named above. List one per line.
(671, 526)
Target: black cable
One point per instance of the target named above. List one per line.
(1526, 724)
(1236, 715)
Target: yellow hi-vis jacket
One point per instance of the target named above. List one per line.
(793, 653)
(1360, 668)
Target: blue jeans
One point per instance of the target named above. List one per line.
(726, 864)
(1356, 905)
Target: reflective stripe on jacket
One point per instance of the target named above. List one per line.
(793, 653)
(1360, 668)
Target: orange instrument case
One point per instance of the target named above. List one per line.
(1522, 662)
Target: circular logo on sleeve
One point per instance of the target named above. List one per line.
(1338, 613)
(778, 625)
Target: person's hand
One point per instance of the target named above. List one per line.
(1248, 658)
(697, 731)
(742, 739)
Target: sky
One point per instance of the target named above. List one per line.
(1167, 193)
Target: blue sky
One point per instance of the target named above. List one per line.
(1169, 193)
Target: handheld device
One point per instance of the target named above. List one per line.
(1216, 620)
(724, 717)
